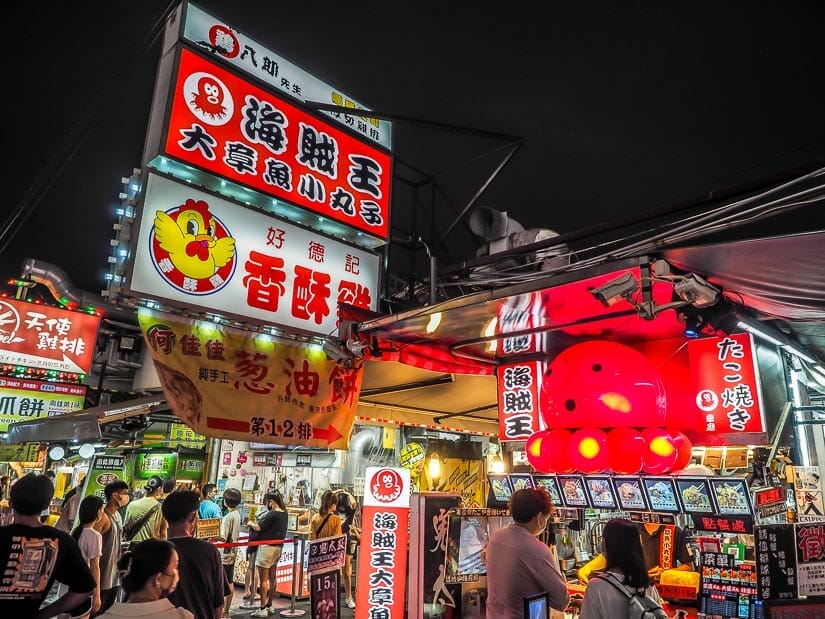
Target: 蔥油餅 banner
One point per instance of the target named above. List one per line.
(382, 558)
(228, 383)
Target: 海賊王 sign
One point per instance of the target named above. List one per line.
(200, 250)
(227, 126)
(251, 57)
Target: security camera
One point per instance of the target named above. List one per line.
(336, 352)
(696, 291)
(615, 290)
(359, 348)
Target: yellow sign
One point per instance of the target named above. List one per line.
(208, 528)
(26, 452)
(227, 383)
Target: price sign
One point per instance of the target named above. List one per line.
(324, 595)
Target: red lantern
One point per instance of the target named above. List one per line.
(661, 452)
(588, 450)
(536, 453)
(626, 450)
(554, 451)
(684, 449)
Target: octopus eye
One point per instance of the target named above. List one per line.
(570, 405)
(597, 367)
(192, 227)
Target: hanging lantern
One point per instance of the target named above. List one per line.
(554, 451)
(588, 450)
(535, 450)
(661, 453)
(602, 384)
(684, 449)
(626, 450)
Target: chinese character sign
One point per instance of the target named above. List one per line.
(22, 399)
(810, 558)
(38, 336)
(518, 400)
(382, 559)
(231, 128)
(194, 248)
(726, 384)
(248, 55)
(227, 383)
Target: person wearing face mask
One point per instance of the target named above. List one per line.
(518, 564)
(111, 529)
(150, 576)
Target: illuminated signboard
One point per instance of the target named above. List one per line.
(726, 384)
(246, 54)
(39, 336)
(23, 400)
(519, 387)
(255, 266)
(229, 127)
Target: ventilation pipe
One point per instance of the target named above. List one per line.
(368, 437)
(57, 281)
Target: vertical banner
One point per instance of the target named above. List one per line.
(103, 470)
(324, 595)
(382, 562)
(726, 384)
(518, 400)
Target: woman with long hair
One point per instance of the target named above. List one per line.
(149, 574)
(89, 513)
(270, 526)
(326, 523)
(625, 566)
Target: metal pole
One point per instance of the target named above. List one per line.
(296, 582)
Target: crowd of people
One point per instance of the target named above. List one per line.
(124, 557)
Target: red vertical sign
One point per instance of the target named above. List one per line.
(382, 560)
(518, 400)
(726, 384)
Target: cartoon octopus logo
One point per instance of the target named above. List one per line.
(707, 400)
(192, 249)
(208, 98)
(224, 41)
(386, 485)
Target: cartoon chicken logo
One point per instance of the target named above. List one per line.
(192, 249)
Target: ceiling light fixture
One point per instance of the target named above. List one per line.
(693, 325)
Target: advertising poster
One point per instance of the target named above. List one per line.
(382, 558)
(551, 484)
(229, 383)
(661, 494)
(39, 336)
(695, 494)
(323, 597)
(326, 553)
(731, 495)
(810, 559)
(808, 493)
(600, 492)
(572, 490)
(629, 493)
(22, 399)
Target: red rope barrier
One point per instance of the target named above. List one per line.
(262, 542)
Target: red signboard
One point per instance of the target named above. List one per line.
(382, 558)
(518, 400)
(769, 496)
(227, 126)
(39, 336)
(726, 384)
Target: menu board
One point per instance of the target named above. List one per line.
(600, 492)
(521, 481)
(695, 494)
(552, 484)
(731, 495)
(629, 493)
(661, 494)
(572, 490)
(501, 488)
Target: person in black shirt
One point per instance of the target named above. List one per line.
(203, 585)
(346, 510)
(270, 526)
(35, 555)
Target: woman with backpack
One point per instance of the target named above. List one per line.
(610, 595)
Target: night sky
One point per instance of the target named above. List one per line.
(627, 109)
